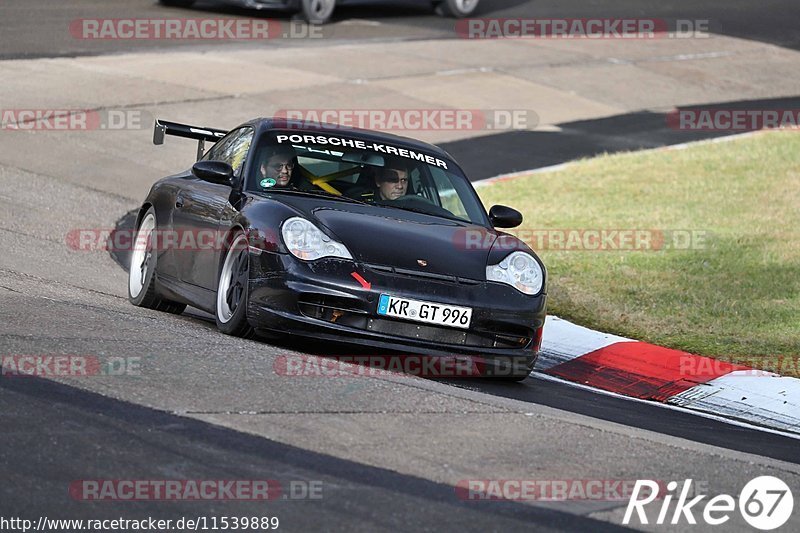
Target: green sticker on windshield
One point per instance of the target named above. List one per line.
(266, 183)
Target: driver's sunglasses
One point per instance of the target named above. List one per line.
(395, 179)
(278, 166)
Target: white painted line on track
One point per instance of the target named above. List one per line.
(710, 416)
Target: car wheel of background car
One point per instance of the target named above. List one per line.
(142, 271)
(456, 8)
(232, 289)
(318, 11)
(177, 3)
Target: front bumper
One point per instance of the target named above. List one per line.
(323, 300)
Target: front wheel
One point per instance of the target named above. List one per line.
(456, 8)
(232, 289)
(318, 11)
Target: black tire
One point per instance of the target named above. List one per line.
(177, 3)
(456, 8)
(230, 310)
(317, 11)
(142, 271)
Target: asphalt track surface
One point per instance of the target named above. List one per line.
(31, 28)
(37, 28)
(194, 414)
(141, 441)
(509, 152)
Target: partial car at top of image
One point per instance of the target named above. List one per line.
(321, 11)
(344, 235)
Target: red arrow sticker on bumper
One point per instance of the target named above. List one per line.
(364, 283)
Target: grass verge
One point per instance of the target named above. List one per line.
(721, 274)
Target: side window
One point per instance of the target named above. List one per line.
(448, 196)
(213, 153)
(232, 149)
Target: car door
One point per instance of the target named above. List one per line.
(200, 206)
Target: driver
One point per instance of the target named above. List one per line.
(391, 182)
(276, 170)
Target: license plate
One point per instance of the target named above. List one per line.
(432, 313)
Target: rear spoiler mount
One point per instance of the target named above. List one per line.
(201, 134)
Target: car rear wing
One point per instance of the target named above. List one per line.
(164, 128)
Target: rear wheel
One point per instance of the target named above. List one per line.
(232, 289)
(318, 11)
(177, 3)
(142, 271)
(456, 8)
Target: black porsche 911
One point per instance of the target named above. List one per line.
(342, 235)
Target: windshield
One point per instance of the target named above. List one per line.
(365, 171)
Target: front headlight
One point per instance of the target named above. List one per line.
(306, 241)
(519, 270)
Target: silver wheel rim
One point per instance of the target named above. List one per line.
(142, 256)
(320, 9)
(233, 279)
(466, 6)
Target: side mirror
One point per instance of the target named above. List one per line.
(504, 217)
(214, 172)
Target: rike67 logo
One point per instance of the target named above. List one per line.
(765, 503)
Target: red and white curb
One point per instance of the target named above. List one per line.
(648, 372)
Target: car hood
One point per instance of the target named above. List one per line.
(399, 238)
(406, 240)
